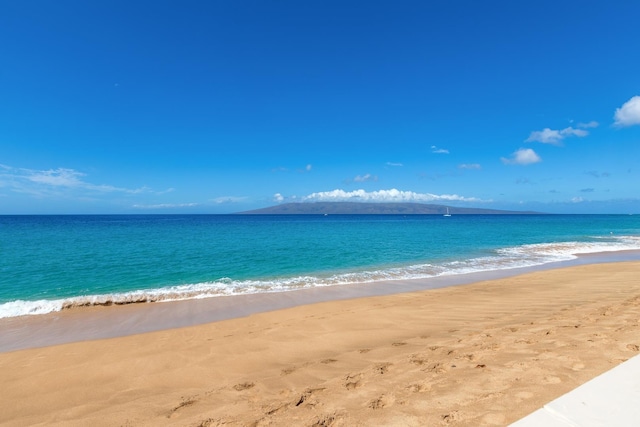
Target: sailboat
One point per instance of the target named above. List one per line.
(447, 214)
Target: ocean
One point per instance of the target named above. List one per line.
(49, 263)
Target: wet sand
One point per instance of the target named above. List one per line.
(91, 323)
(486, 353)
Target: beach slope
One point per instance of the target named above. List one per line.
(487, 353)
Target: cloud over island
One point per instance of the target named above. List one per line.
(391, 195)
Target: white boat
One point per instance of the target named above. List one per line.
(447, 214)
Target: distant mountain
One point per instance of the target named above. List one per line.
(356, 208)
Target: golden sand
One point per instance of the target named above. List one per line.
(487, 354)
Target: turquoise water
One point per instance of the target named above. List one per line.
(49, 262)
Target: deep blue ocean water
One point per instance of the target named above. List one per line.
(49, 262)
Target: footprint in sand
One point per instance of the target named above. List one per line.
(326, 420)
(381, 402)
(287, 371)
(352, 381)
(633, 347)
(418, 388)
(451, 417)
(308, 397)
(437, 368)
(577, 366)
(417, 359)
(382, 368)
(243, 386)
(468, 356)
(212, 422)
(186, 401)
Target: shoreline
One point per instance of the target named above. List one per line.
(103, 322)
(486, 353)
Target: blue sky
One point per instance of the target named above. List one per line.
(226, 106)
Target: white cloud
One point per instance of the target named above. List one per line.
(166, 206)
(437, 150)
(546, 136)
(305, 169)
(365, 178)
(523, 156)
(591, 124)
(573, 132)
(278, 197)
(55, 181)
(470, 166)
(577, 200)
(551, 136)
(629, 113)
(597, 174)
(228, 199)
(394, 164)
(392, 195)
(56, 177)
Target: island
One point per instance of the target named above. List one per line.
(362, 208)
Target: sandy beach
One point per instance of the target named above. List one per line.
(486, 353)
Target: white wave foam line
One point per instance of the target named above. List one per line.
(24, 308)
(569, 250)
(506, 258)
